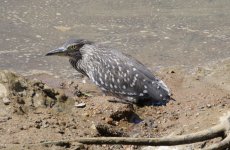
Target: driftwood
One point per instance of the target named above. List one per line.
(220, 130)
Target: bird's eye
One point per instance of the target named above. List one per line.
(72, 47)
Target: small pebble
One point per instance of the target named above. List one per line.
(70, 83)
(172, 71)
(38, 36)
(6, 101)
(209, 105)
(93, 127)
(85, 114)
(79, 105)
(109, 121)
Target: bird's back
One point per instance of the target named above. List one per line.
(120, 74)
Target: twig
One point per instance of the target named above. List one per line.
(219, 130)
(222, 145)
(216, 131)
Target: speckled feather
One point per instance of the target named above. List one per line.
(119, 74)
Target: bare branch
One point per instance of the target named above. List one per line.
(220, 130)
(222, 145)
(216, 131)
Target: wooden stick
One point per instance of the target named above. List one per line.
(221, 145)
(213, 132)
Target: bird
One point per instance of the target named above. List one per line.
(116, 73)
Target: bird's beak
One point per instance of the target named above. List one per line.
(59, 52)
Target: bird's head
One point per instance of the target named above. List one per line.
(70, 48)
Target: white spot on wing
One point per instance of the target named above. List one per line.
(124, 87)
(131, 94)
(145, 91)
(100, 74)
(134, 82)
(123, 92)
(103, 89)
(119, 74)
(101, 81)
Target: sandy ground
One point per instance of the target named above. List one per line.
(40, 108)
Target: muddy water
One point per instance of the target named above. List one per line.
(158, 33)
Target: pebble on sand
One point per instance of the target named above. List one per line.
(79, 105)
(6, 101)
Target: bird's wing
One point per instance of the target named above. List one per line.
(140, 67)
(119, 73)
(146, 83)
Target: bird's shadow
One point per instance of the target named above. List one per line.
(132, 116)
(154, 103)
(135, 119)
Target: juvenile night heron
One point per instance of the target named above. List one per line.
(116, 73)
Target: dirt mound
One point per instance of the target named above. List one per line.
(24, 95)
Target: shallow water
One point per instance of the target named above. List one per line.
(158, 33)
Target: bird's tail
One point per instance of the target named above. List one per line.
(164, 86)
